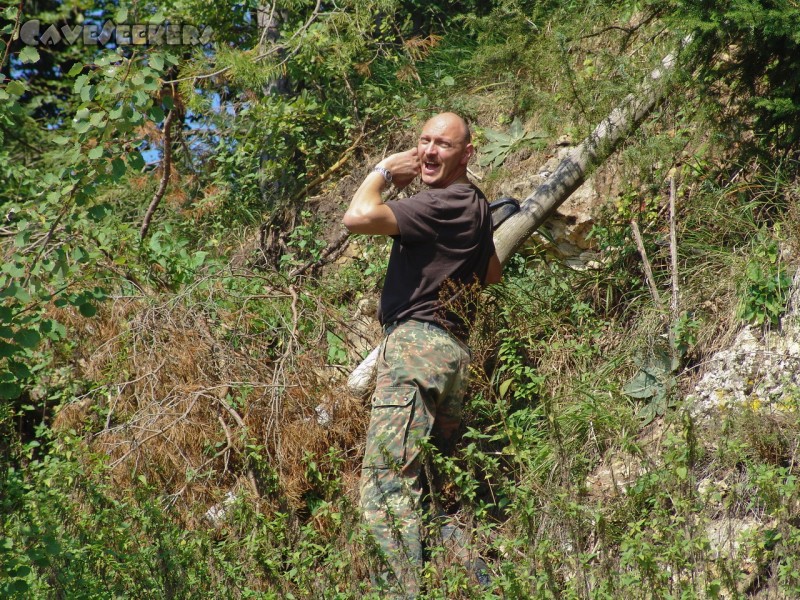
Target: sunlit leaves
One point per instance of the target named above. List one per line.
(29, 54)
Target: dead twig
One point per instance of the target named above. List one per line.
(648, 271)
(162, 188)
(330, 171)
(251, 477)
(135, 445)
(333, 251)
(673, 253)
(14, 32)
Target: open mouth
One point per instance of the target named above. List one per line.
(430, 168)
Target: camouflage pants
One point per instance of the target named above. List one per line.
(422, 377)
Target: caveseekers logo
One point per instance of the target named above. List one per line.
(36, 33)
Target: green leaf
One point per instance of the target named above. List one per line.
(13, 269)
(16, 88)
(76, 68)
(118, 168)
(136, 161)
(516, 130)
(79, 83)
(27, 338)
(81, 126)
(647, 414)
(8, 350)
(156, 114)
(157, 62)
(11, 13)
(497, 136)
(98, 212)
(22, 295)
(122, 14)
(98, 119)
(10, 390)
(448, 81)
(29, 54)
(87, 309)
(88, 93)
(53, 329)
(19, 370)
(504, 386)
(642, 385)
(96, 152)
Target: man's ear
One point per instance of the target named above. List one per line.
(469, 152)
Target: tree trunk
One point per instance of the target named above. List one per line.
(573, 170)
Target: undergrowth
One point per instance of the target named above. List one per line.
(180, 425)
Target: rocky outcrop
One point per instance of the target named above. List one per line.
(759, 371)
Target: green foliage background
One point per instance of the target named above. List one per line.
(262, 123)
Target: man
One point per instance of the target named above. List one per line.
(442, 254)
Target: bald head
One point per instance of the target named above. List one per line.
(444, 149)
(453, 122)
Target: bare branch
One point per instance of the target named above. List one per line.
(162, 188)
(648, 271)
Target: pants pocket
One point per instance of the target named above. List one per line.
(392, 410)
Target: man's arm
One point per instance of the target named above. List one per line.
(494, 273)
(367, 213)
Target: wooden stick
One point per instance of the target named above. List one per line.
(162, 188)
(673, 249)
(673, 253)
(648, 271)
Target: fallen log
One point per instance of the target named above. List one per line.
(592, 151)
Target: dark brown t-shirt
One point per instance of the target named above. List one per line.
(443, 250)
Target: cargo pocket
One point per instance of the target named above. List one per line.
(392, 409)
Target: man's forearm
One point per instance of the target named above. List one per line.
(367, 213)
(368, 195)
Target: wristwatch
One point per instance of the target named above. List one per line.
(387, 174)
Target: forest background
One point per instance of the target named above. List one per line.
(180, 306)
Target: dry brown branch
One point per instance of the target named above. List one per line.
(191, 390)
(333, 251)
(330, 171)
(648, 271)
(136, 443)
(14, 32)
(162, 187)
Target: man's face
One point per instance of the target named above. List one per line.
(443, 151)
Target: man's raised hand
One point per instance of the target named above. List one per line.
(404, 167)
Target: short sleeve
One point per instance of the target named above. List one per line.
(416, 218)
